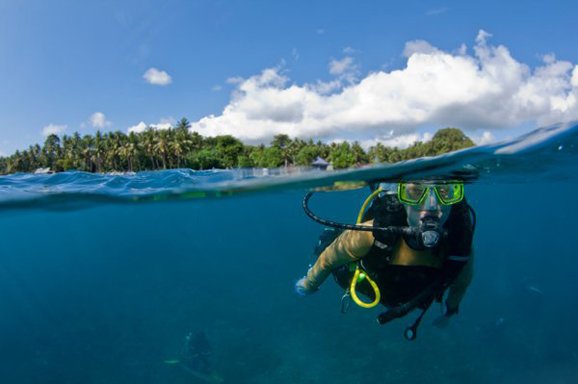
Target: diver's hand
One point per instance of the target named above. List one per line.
(443, 320)
(302, 289)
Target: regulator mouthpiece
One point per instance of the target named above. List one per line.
(430, 232)
(430, 238)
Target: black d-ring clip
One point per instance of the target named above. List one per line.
(410, 332)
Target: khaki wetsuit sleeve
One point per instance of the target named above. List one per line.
(460, 285)
(350, 246)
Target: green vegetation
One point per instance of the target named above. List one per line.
(180, 148)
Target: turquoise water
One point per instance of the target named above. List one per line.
(102, 276)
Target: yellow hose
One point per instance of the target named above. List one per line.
(365, 203)
(359, 275)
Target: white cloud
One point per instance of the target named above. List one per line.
(235, 80)
(295, 54)
(157, 77)
(349, 50)
(487, 89)
(486, 137)
(437, 11)
(98, 120)
(402, 141)
(140, 127)
(346, 72)
(575, 77)
(419, 46)
(53, 129)
(164, 123)
(339, 67)
(482, 36)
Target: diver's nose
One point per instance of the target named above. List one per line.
(431, 201)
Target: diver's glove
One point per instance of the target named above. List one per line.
(451, 311)
(301, 287)
(443, 320)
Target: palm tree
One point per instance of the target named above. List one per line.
(130, 150)
(177, 148)
(162, 146)
(148, 144)
(77, 160)
(35, 155)
(99, 151)
(115, 141)
(51, 150)
(183, 125)
(283, 142)
(182, 143)
(87, 151)
(168, 148)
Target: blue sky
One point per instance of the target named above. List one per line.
(330, 70)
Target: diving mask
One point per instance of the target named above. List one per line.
(448, 193)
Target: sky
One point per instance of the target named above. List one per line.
(372, 71)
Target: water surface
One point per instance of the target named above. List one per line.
(102, 276)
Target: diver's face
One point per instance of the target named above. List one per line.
(430, 208)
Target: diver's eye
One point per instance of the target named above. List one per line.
(445, 191)
(414, 191)
(450, 193)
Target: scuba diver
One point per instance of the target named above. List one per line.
(195, 358)
(411, 246)
(197, 352)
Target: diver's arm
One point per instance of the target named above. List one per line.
(458, 288)
(350, 246)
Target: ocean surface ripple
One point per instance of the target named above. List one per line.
(548, 153)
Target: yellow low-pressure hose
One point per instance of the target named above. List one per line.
(366, 203)
(360, 275)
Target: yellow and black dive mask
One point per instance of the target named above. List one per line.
(447, 193)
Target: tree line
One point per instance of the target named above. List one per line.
(178, 147)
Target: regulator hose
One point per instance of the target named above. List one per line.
(356, 227)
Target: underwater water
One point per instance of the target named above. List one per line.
(103, 276)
